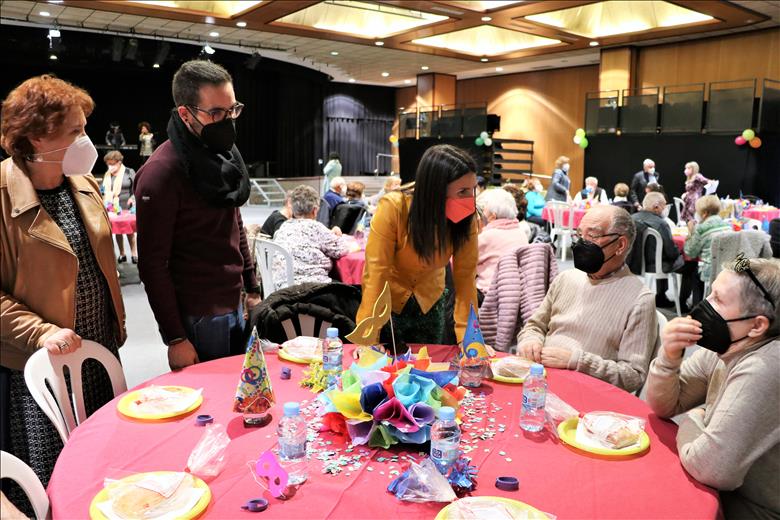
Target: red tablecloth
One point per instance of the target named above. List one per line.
(764, 215)
(548, 214)
(350, 267)
(553, 477)
(123, 224)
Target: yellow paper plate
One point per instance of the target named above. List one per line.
(505, 379)
(125, 405)
(567, 430)
(289, 357)
(515, 506)
(96, 514)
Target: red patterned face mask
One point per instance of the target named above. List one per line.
(458, 209)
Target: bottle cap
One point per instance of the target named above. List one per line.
(537, 369)
(333, 332)
(256, 505)
(291, 409)
(446, 413)
(507, 483)
(203, 420)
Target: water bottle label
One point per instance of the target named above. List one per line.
(332, 359)
(533, 400)
(444, 454)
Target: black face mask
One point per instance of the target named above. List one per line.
(218, 137)
(715, 334)
(589, 256)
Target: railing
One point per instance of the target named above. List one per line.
(461, 120)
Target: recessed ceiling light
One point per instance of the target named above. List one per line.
(351, 80)
(209, 19)
(45, 13)
(401, 108)
(240, 24)
(483, 60)
(156, 66)
(208, 49)
(486, 18)
(749, 20)
(52, 56)
(499, 69)
(55, 1)
(385, 74)
(213, 34)
(379, 44)
(425, 67)
(334, 53)
(407, 81)
(594, 44)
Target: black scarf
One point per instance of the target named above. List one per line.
(222, 180)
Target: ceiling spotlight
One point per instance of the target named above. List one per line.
(54, 33)
(425, 67)
(45, 13)
(334, 53)
(53, 57)
(385, 74)
(486, 18)
(594, 44)
(499, 69)
(240, 24)
(483, 60)
(252, 61)
(351, 80)
(156, 66)
(214, 34)
(407, 81)
(379, 44)
(162, 54)
(208, 49)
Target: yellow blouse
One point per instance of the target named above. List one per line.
(390, 256)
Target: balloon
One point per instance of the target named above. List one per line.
(393, 138)
(479, 141)
(488, 141)
(739, 141)
(755, 142)
(577, 139)
(748, 134)
(580, 132)
(484, 135)
(584, 143)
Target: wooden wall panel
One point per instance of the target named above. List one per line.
(617, 68)
(444, 89)
(741, 56)
(545, 106)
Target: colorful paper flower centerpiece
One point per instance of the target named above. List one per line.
(382, 403)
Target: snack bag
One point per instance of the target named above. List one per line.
(613, 430)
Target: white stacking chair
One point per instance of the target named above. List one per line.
(265, 251)
(307, 325)
(562, 225)
(651, 277)
(15, 469)
(44, 368)
(678, 206)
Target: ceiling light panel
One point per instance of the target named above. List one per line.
(615, 17)
(361, 19)
(484, 6)
(220, 8)
(486, 40)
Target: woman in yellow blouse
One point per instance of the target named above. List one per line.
(412, 239)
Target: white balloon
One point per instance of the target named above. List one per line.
(484, 135)
(577, 139)
(488, 141)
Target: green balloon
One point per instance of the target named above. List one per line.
(748, 134)
(580, 132)
(479, 141)
(584, 143)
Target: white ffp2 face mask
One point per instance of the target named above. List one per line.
(79, 157)
(565, 168)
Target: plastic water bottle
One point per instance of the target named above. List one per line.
(332, 351)
(445, 440)
(534, 394)
(291, 434)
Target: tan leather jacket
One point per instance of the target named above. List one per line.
(38, 268)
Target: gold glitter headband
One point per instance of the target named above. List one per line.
(742, 265)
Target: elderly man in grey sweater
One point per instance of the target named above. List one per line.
(599, 318)
(729, 390)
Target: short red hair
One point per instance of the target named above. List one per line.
(37, 108)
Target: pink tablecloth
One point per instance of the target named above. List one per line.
(350, 267)
(548, 215)
(553, 477)
(764, 215)
(123, 224)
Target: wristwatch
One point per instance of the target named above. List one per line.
(176, 341)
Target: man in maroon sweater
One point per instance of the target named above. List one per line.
(193, 253)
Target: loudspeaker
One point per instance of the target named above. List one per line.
(493, 123)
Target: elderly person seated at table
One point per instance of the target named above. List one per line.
(651, 216)
(591, 192)
(729, 390)
(599, 318)
(313, 246)
(699, 245)
(536, 202)
(501, 233)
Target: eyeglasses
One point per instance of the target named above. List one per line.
(579, 235)
(219, 114)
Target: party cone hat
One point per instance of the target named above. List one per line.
(473, 342)
(254, 394)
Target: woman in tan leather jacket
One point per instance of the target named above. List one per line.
(58, 280)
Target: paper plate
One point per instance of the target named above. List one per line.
(96, 514)
(515, 506)
(289, 357)
(505, 379)
(567, 430)
(125, 405)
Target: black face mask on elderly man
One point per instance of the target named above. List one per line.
(589, 256)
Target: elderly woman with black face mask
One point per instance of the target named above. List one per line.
(728, 390)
